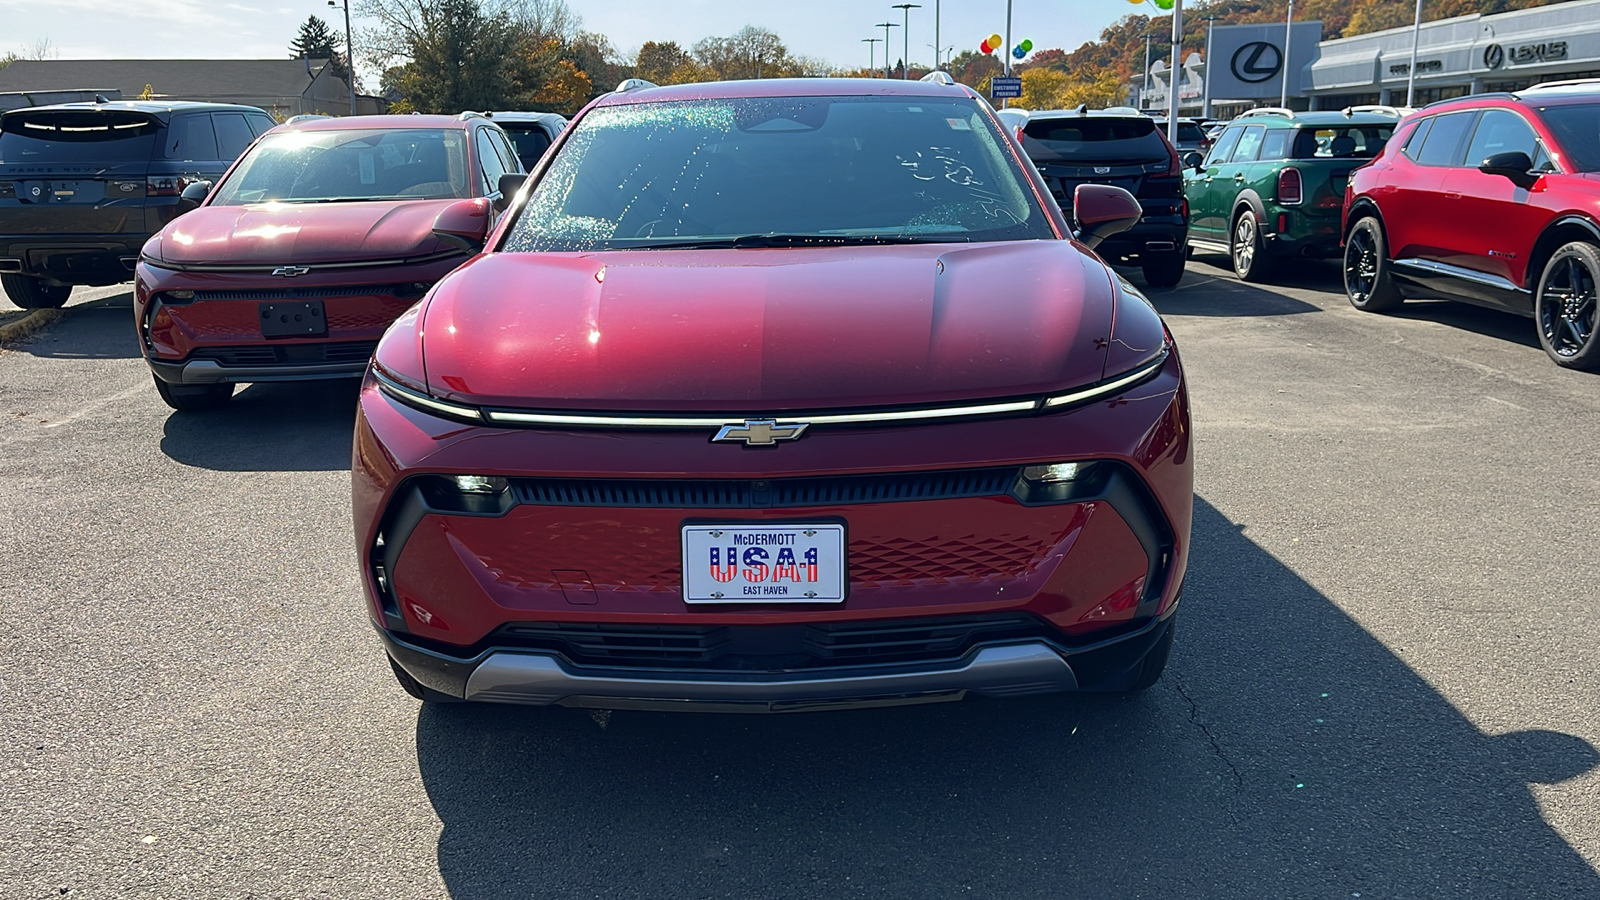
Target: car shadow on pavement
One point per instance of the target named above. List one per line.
(1505, 326)
(100, 329)
(301, 426)
(1287, 753)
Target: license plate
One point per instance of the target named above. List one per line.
(763, 563)
(299, 319)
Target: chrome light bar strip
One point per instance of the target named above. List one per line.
(424, 401)
(1115, 385)
(987, 409)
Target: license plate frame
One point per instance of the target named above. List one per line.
(296, 318)
(829, 585)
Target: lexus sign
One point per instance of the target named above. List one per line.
(1256, 62)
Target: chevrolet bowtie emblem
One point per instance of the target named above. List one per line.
(761, 432)
(290, 271)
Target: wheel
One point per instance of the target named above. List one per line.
(1366, 269)
(194, 397)
(1564, 307)
(415, 688)
(33, 293)
(1164, 270)
(1249, 255)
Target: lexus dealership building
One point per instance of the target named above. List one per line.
(1459, 56)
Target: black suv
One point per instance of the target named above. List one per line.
(1121, 147)
(84, 185)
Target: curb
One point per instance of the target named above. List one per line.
(28, 325)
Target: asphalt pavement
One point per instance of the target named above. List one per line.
(1383, 686)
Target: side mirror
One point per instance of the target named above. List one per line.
(1101, 210)
(193, 195)
(1194, 161)
(1514, 165)
(510, 183)
(464, 223)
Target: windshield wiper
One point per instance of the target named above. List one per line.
(762, 241)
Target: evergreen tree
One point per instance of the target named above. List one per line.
(318, 41)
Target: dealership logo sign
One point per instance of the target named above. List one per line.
(1494, 56)
(1256, 61)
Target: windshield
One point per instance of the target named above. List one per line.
(333, 166)
(1080, 139)
(1577, 131)
(54, 136)
(844, 168)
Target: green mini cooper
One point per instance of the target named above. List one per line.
(1273, 184)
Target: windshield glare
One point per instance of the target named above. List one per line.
(671, 173)
(329, 166)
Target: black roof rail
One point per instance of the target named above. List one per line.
(1492, 95)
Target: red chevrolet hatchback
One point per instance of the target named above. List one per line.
(307, 249)
(1492, 199)
(778, 395)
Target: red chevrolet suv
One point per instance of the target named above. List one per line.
(1492, 199)
(308, 248)
(778, 395)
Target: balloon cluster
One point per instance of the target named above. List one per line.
(994, 42)
(1163, 5)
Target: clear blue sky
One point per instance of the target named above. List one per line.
(829, 29)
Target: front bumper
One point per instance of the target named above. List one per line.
(1006, 669)
(206, 371)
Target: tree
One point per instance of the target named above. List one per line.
(657, 61)
(460, 54)
(318, 41)
(750, 52)
(566, 91)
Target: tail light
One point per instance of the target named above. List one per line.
(1176, 167)
(1290, 188)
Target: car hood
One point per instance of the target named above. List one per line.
(303, 233)
(756, 331)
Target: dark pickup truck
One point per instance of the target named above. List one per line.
(84, 185)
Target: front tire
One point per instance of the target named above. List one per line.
(1366, 269)
(33, 293)
(1164, 270)
(1247, 250)
(1565, 306)
(194, 397)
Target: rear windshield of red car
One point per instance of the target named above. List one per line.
(360, 164)
(1577, 130)
(52, 136)
(1101, 139)
(840, 168)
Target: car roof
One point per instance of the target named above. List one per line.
(787, 87)
(347, 123)
(152, 107)
(524, 116)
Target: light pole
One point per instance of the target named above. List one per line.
(872, 49)
(941, 55)
(349, 54)
(1144, 94)
(936, 51)
(1172, 82)
(886, 26)
(1288, 30)
(905, 33)
(1411, 73)
(1205, 90)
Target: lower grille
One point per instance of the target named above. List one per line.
(678, 493)
(289, 354)
(769, 647)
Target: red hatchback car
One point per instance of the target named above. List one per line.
(778, 395)
(308, 248)
(1492, 199)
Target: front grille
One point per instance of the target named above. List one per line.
(314, 293)
(769, 647)
(290, 354)
(677, 493)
